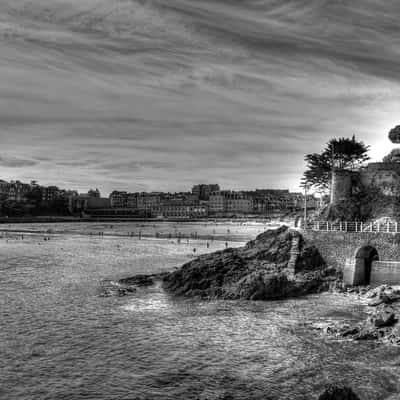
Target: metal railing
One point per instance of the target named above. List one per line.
(352, 226)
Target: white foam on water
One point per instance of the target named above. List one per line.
(148, 304)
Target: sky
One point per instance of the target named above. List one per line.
(148, 95)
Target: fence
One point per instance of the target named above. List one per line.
(352, 226)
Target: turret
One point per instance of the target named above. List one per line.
(341, 188)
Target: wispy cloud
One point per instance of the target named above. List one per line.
(159, 94)
(13, 162)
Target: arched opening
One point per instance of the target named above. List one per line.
(364, 259)
(298, 222)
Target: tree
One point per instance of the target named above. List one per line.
(339, 154)
(392, 157)
(347, 153)
(318, 172)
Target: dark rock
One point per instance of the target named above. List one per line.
(367, 333)
(264, 269)
(394, 335)
(375, 302)
(138, 280)
(390, 298)
(384, 318)
(351, 331)
(338, 393)
(121, 292)
(142, 280)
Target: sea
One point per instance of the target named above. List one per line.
(60, 339)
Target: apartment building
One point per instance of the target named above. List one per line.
(203, 192)
(180, 210)
(147, 201)
(118, 199)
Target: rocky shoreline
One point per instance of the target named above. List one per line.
(278, 264)
(383, 322)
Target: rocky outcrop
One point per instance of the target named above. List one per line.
(338, 393)
(276, 265)
(142, 280)
(128, 286)
(383, 322)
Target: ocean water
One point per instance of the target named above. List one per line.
(60, 340)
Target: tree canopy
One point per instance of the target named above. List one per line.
(339, 154)
(392, 157)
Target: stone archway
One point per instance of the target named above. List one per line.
(364, 257)
(298, 222)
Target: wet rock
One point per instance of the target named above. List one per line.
(383, 318)
(367, 333)
(375, 302)
(121, 292)
(394, 335)
(111, 288)
(351, 331)
(138, 280)
(338, 393)
(277, 264)
(142, 279)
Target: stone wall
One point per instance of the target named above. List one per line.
(338, 247)
(341, 187)
(387, 180)
(385, 272)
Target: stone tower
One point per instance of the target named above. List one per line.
(341, 188)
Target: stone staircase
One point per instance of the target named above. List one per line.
(294, 254)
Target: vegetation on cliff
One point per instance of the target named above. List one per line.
(363, 205)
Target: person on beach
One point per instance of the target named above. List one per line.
(226, 245)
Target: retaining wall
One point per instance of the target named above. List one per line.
(385, 272)
(337, 247)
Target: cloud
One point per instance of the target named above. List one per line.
(14, 162)
(160, 94)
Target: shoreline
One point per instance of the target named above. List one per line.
(163, 236)
(58, 219)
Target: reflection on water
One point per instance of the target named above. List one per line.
(60, 340)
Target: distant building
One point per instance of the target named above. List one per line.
(202, 192)
(147, 201)
(17, 191)
(180, 210)
(238, 202)
(94, 193)
(230, 202)
(217, 202)
(98, 203)
(85, 202)
(131, 200)
(118, 199)
(4, 186)
(50, 193)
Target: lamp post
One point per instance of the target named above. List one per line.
(306, 187)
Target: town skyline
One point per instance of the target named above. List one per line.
(36, 182)
(161, 94)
